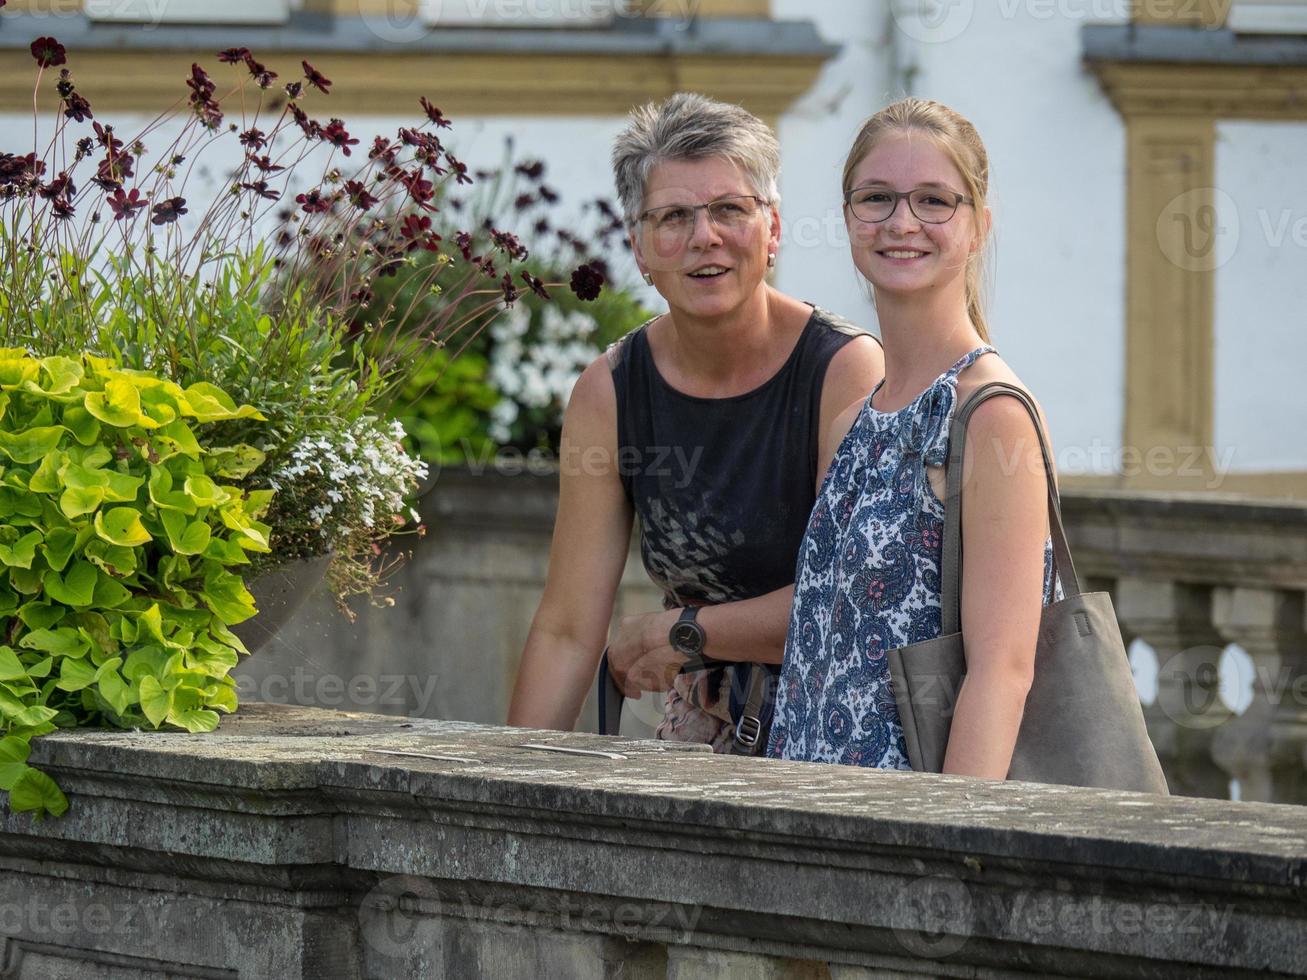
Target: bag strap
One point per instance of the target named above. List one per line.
(951, 566)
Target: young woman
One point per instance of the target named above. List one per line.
(868, 578)
(705, 423)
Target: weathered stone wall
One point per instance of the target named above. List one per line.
(1188, 575)
(298, 844)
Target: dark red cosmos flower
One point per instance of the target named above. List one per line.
(262, 77)
(84, 147)
(263, 163)
(434, 114)
(359, 196)
(293, 89)
(104, 136)
(542, 226)
(76, 107)
(531, 169)
(510, 291)
(113, 170)
(548, 195)
(61, 186)
(260, 187)
(382, 149)
(201, 86)
(124, 205)
(311, 127)
(253, 138)
(168, 211)
(337, 136)
(62, 208)
(414, 225)
(459, 168)
(536, 286)
(464, 242)
(233, 56)
(313, 202)
(587, 282)
(48, 52)
(508, 243)
(523, 202)
(315, 78)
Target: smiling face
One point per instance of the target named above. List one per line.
(715, 267)
(903, 254)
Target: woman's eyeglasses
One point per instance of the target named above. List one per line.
(931, 205)
(673, 224)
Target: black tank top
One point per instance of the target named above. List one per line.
(723, 486)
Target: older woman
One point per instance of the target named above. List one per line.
(705, 422)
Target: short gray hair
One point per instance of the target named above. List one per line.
(689, 126)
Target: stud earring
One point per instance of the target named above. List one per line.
(648, 279)
(771, 260)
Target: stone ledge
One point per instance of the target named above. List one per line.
(823, 864)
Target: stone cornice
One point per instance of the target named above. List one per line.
(1190, 71)
(786, 859)
(763, 65)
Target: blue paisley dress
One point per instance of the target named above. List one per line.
(867, 581)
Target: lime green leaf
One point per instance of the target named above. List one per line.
(151, 620)
(234, 462)
(120, 487)
(195, 719)
(41, 668)
(10, 667)
(30, 445)
(204, 492)
(13, 761)
(58, 547)
(76, 501)
(209, 403)
(63, 374)
(224, 700)
(84, 426)
(109, 594)
(226, 552)
(163, 495)
(62, 642)
(155, 701)
(22, 551)
(40, 615)
(186, 538)
(212, 658)
(122, 526)
(16, 366)
(35, 791)
(177, 437)
(46, 478)
(112, 687)
(77, 588)
(115, 560)
(25, 581)
(75, 673)
(118, 405)
(36, 714)
(226, 595)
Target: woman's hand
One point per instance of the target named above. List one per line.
(640, 656)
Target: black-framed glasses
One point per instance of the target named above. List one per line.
(673, 224)
(933, 205)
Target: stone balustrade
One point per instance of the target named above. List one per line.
(1189, 574)
(301, 844)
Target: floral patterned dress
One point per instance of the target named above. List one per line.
(868, 580)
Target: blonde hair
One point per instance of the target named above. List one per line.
(960, 142)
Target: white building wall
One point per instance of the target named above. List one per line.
(1261, 295)
(1057, 161)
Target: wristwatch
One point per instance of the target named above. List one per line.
(687, 636)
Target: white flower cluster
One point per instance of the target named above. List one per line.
(538, 372)
(368, 475)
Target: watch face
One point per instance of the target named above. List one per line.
(687, 637)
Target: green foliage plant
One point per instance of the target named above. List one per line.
(121, 541)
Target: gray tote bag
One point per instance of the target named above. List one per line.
(1083, 725)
